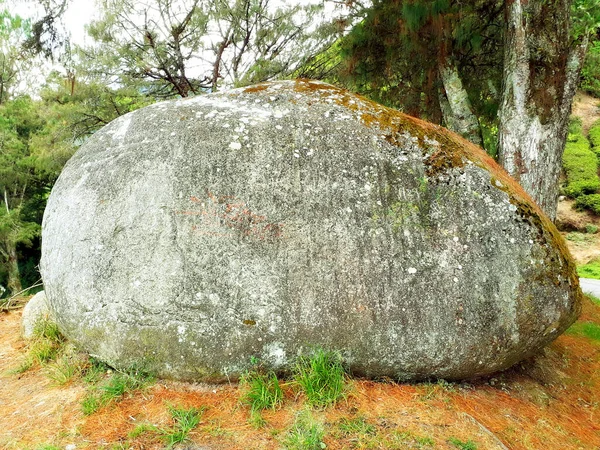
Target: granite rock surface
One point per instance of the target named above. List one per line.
(192, 235)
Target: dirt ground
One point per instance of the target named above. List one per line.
(551, 402)
(586, 107)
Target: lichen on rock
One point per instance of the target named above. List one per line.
(192, 235)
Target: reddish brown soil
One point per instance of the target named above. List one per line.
(551, 402)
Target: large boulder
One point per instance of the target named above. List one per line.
(191, 235)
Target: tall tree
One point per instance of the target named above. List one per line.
(187, 47)
(481, 56)
(18, 120)
(542, 63)
(13, 62)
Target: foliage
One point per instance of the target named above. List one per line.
(590, 202)
(261, 389)
(321, 377)
(581, 167)
(158, 44)
(305, 434)
(590, 73)
(594, 137)
(394, 55)
(27, 172)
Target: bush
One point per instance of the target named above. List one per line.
(594, 137)
(581, 167)
(590, 201)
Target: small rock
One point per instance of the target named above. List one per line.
(35, 310)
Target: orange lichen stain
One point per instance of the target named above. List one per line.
(256, 88)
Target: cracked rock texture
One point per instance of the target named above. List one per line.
(191, 235)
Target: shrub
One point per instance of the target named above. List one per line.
(581, 166)
(590, 201)
(594, 137)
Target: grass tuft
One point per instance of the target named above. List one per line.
(468, 445)
(321, 377)
(256, 420)
(305, 434)
(356, 426)
(185, 420)
(65, 369)
(115, 388)
(261, 390)
(46, 346)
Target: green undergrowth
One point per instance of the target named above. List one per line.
(117, 386)
(184, 421)
(321, 377)
(580, 164)
(45, 347)
(590, 270)
(594, 136)
(589, 330)
(306, 433)
(588, 201)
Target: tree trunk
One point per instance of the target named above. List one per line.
(14, 278)
(541, 69)
(455, 105)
